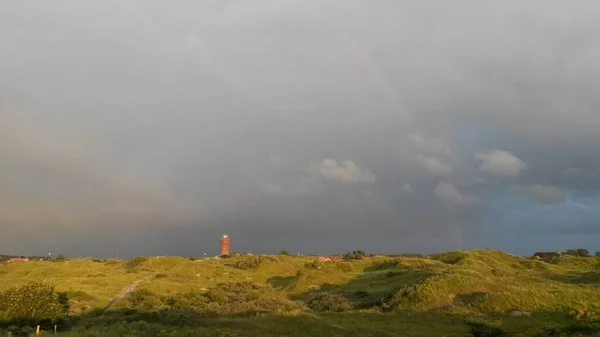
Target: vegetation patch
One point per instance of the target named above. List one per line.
(330, 302)
(30, 303)
(453, 257)
(485, 328)
(224, 299)
(255, 262)
(298, 296)
(134, 264)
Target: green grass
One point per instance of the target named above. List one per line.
(386, 296)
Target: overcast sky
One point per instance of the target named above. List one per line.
(151, 127)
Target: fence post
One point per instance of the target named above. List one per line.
(55, 328)
(9, 334)
(37, 330)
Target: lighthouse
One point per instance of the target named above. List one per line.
(224, 244)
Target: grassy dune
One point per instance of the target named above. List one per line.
(377, 296)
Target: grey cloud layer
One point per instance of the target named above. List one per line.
(343, 121)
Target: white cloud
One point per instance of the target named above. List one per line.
(434, 166)
(500, 163)
(429, 145)
(346, 171)
(407, 188)
(544, 194)
(450, 194)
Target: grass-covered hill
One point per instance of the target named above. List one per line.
(459, 293)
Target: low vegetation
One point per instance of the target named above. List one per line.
(461, 293)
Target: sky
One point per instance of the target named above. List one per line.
(317, 127)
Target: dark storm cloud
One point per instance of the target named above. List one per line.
(298, 125)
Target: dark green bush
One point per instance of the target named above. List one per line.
(361, 294)
(449, 257)
(404, 297)
(143, 299)
(224, 299)
(315, 265)
(587, 327)
(393, 273)
(330, 302)
(391, 264)
(550, 332)
(245, 297)
(480, 328)
(133, 264)
(254, 262)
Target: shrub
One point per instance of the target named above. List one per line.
(276, 304)
(479, 328)
(549, 332)
(449, 257)
(583, 314)
(583, 252)
(232, 298)
(241, 297)
(133, 264)
(355, 255)
(254, 262)
(361, 294)
(406, 296)
(344, 266)
(60, 258)
(315, 265)
(30, 302)
(392, 274)
(578, 252)
(330, 302)
(187, 300)
(143, 299)
(588, 328)
(553, 259)
(389, 264)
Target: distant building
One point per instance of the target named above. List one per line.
(546, 254)
(225, 244)
(19, 259)
(330, 258)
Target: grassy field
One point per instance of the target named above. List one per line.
(297, 296)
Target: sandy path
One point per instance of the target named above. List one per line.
(126, 292)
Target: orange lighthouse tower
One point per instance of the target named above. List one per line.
(224, 244)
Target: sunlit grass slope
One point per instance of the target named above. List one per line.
(452, 285)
